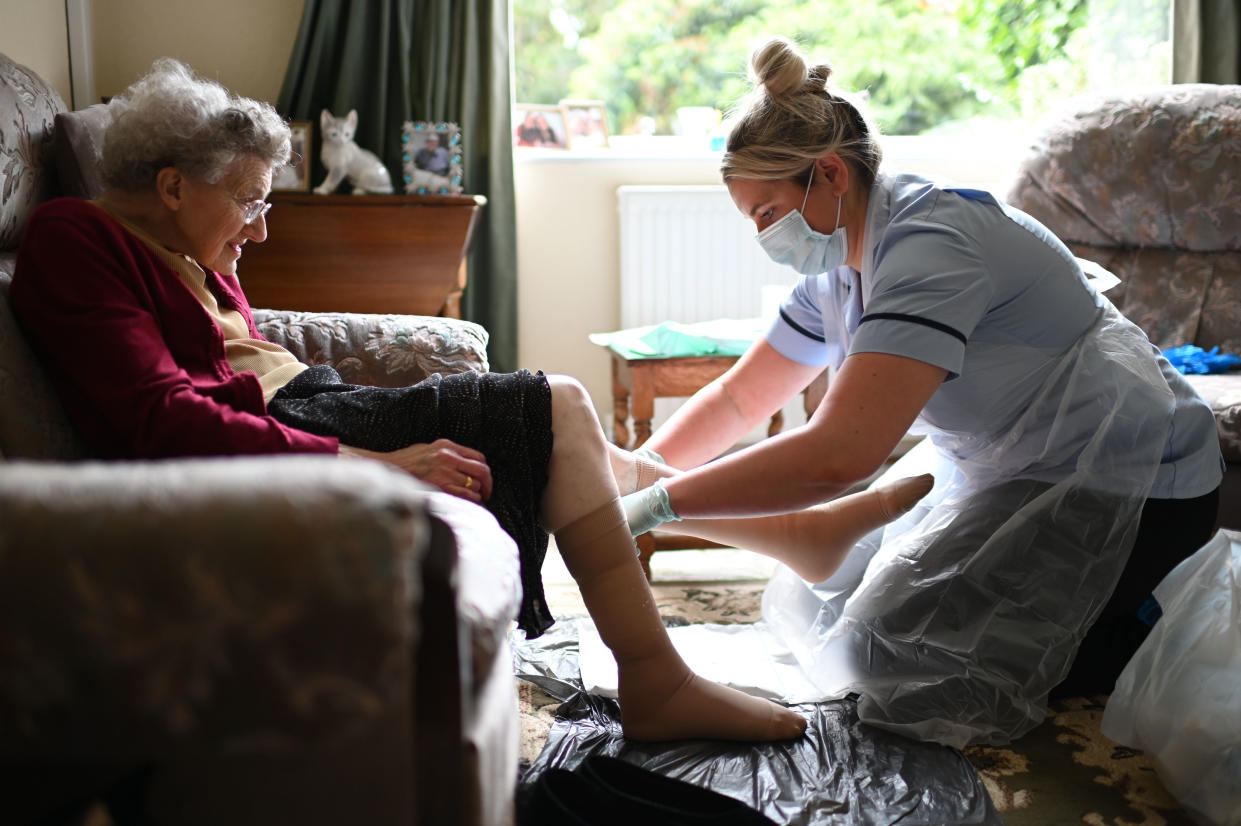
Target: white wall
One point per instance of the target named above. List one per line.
(568, 256)
(35, 34)
(243, 44)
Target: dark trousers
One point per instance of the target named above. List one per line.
(1169, 531)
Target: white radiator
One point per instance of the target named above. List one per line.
(687, 254)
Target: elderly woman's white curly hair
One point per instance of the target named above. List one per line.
(172, 117)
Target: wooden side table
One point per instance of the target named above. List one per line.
(636, 383)
(362, 253)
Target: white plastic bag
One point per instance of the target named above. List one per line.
(1179, 698)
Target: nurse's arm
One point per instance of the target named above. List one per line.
(717, 416)
(870, 404)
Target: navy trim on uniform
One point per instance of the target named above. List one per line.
(934, 325)
(799, 328)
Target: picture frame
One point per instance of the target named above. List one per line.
(431, 158)
(295, 175)
(540, 125)
(587, 123)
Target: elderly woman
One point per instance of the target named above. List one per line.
(1074, 466)
(134, 305)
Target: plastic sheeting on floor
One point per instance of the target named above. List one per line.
(842, 771)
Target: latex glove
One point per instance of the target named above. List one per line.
(649, 455)
(648, 509)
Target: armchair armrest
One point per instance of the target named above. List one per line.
(380, 350)
(147, 608)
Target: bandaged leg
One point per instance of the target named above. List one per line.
(633, 470)
(646, 472)
(660, 697)
(814, 542)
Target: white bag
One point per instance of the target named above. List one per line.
(1179, 698)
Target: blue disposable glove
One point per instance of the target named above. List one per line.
(648, 508)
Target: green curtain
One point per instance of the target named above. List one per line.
(425, 60)
(1206, 41)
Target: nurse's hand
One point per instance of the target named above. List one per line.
(648, 508)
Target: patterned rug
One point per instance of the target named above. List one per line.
(1063, 772)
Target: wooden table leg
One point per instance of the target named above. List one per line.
(646, 549)
(777, 423)
(642, 402)
(813, 395)
(620, 406)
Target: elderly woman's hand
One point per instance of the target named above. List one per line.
(453, 468)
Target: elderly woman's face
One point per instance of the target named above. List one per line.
(213, 217)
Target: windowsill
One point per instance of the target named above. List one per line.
(984, 160)
(658, 146)
(626, 148)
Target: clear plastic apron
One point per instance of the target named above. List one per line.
(954, 623)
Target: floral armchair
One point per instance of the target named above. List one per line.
(244, 640)
(1147, 183)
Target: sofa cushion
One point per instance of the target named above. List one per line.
(488, 576)
(28, 108)
(1177, 297)
(33, 423)
(380, 350)
(257, 601)
(77, 148)
(1141, 167)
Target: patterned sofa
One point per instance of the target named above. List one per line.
(1147, 182)
(243, 640)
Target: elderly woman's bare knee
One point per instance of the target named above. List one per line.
(573, 413)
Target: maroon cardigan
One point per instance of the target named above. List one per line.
(138, 362)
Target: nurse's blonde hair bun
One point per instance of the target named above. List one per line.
(779, 67)
(791, 117)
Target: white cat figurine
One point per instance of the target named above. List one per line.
(345, 160)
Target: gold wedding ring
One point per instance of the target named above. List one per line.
(469, 482)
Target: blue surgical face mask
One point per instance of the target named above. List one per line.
(792, 241)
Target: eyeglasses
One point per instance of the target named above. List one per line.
(251, 211)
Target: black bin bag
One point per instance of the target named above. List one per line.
(843, 771)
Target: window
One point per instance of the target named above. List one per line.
(928, 67)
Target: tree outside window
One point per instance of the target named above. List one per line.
(928, 66)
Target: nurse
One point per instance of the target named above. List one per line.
(1074, 466)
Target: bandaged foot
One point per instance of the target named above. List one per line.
(636, 469)
(827, 533)
(646, 472)
(814, 542)
(897, 498)
(660, 697)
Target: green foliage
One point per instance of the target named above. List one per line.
(1023, 34)
(653, 56)
(545, 57)
(924, 63)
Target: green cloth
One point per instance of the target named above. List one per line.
(722, 337)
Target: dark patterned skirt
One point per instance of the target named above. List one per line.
(506, 416)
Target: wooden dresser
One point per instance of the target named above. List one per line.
(362, 253)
